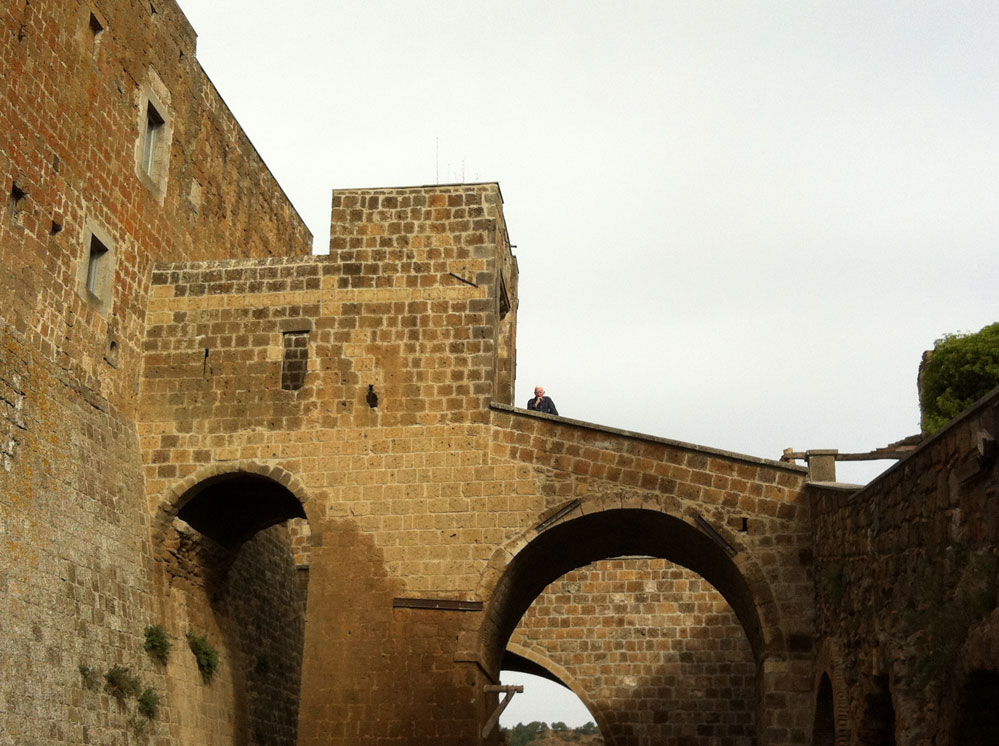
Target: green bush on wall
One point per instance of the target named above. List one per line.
(958, 372)
(121, 683)
(206, 655)
(158, 643)
(149, 703)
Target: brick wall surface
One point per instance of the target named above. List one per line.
(658, 654)
(906, 574)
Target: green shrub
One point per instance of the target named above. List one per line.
(960, 370)
(206, 655)
(158, 643)
(149, 703)
(121, 683)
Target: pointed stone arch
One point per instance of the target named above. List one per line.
(829, 671)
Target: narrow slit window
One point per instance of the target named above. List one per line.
(151, 139)
(95, 264)
(15, 204)
(296, 360)
(96, 27)
(504, 299)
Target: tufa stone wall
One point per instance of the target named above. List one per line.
(246, 603)
(76, 567)
(907, 577)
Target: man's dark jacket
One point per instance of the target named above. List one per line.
(547, 405)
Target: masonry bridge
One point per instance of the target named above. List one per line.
(362, 400)
(315, 465)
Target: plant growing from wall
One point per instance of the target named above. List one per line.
(158, 643)
(149, 703)
(121, 683)
(960, 370)
(206, 655)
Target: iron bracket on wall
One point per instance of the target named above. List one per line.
(436, 604)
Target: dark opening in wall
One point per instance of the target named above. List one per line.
(96, 27)
(824, 730)
(96, 260)
(296, 360)
(978, 720)
(504, 299)
(877, 728)
(151, 139)
(15, 204)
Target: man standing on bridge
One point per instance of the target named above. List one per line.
(541, 403)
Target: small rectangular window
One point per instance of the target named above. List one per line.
(95, 264)
(151, 139)
(296, 360)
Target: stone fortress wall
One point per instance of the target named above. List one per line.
(76, 566)
(315, 462)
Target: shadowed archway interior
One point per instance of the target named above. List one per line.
(231, 508)
(599, 536)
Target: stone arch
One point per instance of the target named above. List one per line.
(824, 723)
(227, 571)
(285, 497)
(636, 531)
(829, 668)
(564, 677)
(605, 528)
(877, 722)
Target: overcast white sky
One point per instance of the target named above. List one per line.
(738, 224)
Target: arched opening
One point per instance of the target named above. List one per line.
(978, 723)
(236, 574)
(659, 652)
(877, 727)
(551, 695)
(230, 508)
(824, 728)
(633, 542)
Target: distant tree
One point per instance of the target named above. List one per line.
(559, 726)
(521, 734)
(588, 729)
(960, 370)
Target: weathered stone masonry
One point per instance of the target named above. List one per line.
(906, 571)
(76, 560)
(315, 462)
